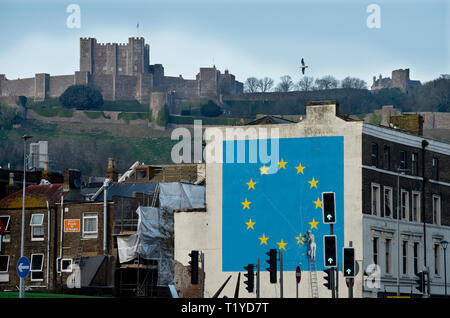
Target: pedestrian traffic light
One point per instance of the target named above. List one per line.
(272, 265)
(328, 278)
(251, 278)
(328, 207)
(349, 262)
(194, 267)
(329, 243)
(420, 282)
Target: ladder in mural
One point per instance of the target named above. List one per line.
(313, 278)
(155, 195)
(79, 258)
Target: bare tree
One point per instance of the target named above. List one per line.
(353, 82)
(251, 85)
(265, 84)
(306, 83)
(285, 85)
(327, 82)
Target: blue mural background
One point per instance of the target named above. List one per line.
(263, 211)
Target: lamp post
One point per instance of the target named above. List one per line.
(399, 170)
(22, 280)
(444, 244)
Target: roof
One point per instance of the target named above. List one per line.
(35, 196)
(270, 119)
(127, 189)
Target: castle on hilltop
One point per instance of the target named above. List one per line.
(123, 72)
(400, 79)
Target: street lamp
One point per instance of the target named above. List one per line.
(444, 244)
(399, 170)
(22, 280)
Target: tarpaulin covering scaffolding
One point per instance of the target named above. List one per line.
(154, 237)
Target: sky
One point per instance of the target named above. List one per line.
(250, 38)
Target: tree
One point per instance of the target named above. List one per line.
(81, 97)
(210, 109)
(22, 101)
(285, 85)
(8, 117)
(353, 82)
(306, 83)
(327, 82)
(265, 84)
(251, 85)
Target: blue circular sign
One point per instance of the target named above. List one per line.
(23, 267)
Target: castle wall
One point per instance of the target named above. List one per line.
(209, 81)
(104, 82)
(86, 54)
(122, 59)
(126, 86)
(58, 84)
(19, 87)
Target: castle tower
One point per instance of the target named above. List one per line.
(87, 46)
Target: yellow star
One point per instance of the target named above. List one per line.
(313, 183)
(250, 224)
(300, 239)
(251, 185)
(313, 224)
(281, 245)
(264, 169)
(300, 168)
(318, 203)
(263, 239)
(282, 164)
(246, 204)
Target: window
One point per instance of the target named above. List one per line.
(66, 265)
(37, 264)
(388, 202)
(414, 164)
(404, 204)
(388, 256)
(436, 209)
(416, 257)
(415, 209)
(437, 262)
(402, 159)
(374, 154)
(37, 227)
(375, 250)
(141, 173)
(434, 170)
(405, 257)
(6, 238)
(4, 263)
(375, 199)
(90, 225)
(386, 157)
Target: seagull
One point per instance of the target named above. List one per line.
(303, 66)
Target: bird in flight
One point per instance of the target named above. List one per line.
(303, 66)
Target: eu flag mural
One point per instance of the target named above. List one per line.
(262, 210)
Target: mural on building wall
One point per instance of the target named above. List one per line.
(263, 211)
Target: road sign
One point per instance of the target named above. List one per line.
(328, 207)
(298, 274)
(349, 261)
(23, 267)
(330, 256)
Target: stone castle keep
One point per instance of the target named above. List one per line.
(400, 79)
(123, 72)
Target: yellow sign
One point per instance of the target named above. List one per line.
(398, 296)
(72, 225)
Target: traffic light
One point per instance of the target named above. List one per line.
(272, 265)
(329, 243)
(349, 262)
(328, 207)
(328, 278)
(251, 278)
(194, 267)
(420, 281)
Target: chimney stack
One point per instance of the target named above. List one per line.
(111, 172)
